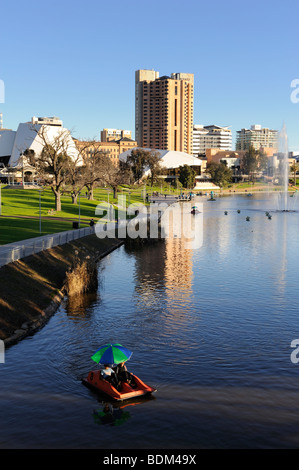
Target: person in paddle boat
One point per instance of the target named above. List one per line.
(108, 374)
(121, 372)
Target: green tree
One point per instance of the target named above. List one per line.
(186, 176)
(250, 162)
(220, 173)
(262, 160)
(294, 168)
(140, 160)
(153, 162)
(137, 161)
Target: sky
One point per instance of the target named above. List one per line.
(77, 60)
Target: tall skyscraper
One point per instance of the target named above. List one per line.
(164, 111)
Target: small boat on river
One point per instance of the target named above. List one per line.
(126, 390)
(194, 210)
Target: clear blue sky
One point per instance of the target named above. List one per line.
(77, 60)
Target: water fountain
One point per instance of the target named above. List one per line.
(282, 174)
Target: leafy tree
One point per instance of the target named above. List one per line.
(220, 173)
(250, 162)
(262, 160)
(139, 160)
(186, 176)
(153, 162)
(294, 168)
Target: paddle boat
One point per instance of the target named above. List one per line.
(194, 210)
(129, 389)
(117, 388)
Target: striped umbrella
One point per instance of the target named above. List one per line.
(111, 354)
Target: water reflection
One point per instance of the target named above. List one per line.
(109, 414)
(80, 305)
(210, 328)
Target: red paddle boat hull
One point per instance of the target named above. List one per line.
(137, 388)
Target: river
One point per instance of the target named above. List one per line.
(211, 328)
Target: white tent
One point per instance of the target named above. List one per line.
(168, 158)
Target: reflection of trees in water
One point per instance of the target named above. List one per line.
(81, 304)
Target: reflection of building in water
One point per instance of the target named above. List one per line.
(179, 252)
(164, 269)
(178, 268)
(149, 273)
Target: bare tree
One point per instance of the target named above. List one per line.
(76, 179)
(91, 172)
(113, 175)
(56, 160)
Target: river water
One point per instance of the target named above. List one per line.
(211, 328)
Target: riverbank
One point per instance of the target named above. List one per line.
(31, 289)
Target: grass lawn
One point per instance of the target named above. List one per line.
(20, 210)
(14, 229)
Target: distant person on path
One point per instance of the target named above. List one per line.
(91, 223)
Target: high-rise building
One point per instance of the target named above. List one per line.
(257, 137)
(208, 137)
(164, 111)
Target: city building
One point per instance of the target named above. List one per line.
(257, 137)
(110, 148)
(47, 121)
(115, 134)
(164, 111)
(31, 135)
(207, 137)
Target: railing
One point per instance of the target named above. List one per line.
(15, 251)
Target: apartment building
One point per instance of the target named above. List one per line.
(208, 137)
(257, 137)
(164, 111)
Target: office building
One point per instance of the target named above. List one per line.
(164, 111)
(257, 137)
(208, 137)
(111, 148)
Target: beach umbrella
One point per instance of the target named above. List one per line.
(111, 354)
